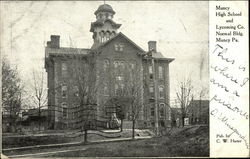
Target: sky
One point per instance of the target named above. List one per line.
(180, 29)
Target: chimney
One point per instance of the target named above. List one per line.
(55, 41)
(152, 46)
(48, 43)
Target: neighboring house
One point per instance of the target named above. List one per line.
(31, 120)
(10, 123)
(198, 112)
(116, 55)
(175, 117)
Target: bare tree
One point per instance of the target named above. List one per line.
(38, 97)
(12, 90)
(126, 99)
(83, 71)
(184, 96)
(134, 92)
(131, 89)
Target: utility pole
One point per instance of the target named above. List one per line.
(200, 109)
(156, 99)
(182, 106)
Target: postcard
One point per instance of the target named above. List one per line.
(155, 79)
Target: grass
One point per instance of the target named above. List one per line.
(188, 142)
(21, 141)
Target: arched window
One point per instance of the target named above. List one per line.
(107, 35)
(133, 64)
(106, 65)
(116, 64)
(64, 91)
(76, 91)
(113, 33)
(102, 36)
(161, 92)
(162, 106)
(116, 89)
(122, 65)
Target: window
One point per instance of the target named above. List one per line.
(161, 92)
(152, 111)
(107, 35)
(116, 89)
(162, 123)
(169, 113)
(106, 65)
(64, 110)
(76, 91)
(160, 72)
(116, 64)
(122, 65)
(119, 78)
(151, 91)
(150, 70)
(122, 87)
(133, 64)
(116, 47)
(64, 69)
(102, 36)
(64, 91)
(119, 47)
(105, 90)
(152, 124)
(162, 110)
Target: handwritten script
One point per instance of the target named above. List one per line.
(228, 81)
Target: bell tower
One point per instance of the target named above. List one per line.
(104, 27)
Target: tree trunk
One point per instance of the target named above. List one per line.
(85, 136)
(39, 117)
(121, 125)
(182, 121)
(133, 129)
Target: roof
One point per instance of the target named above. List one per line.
(123, 36)
(101, 22)
(158, 56)
(104, 8)
(64, 50)
(196, 103)
(35, 112)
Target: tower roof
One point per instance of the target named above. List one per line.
(104, 8)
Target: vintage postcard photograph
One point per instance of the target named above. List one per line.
(110, 79)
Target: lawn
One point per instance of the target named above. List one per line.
(45, 139)
(191, 141)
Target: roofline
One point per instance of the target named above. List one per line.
(167, 59)
(120, 33)
(116, 25)
(163, 59)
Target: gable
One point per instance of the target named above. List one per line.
(123, 39)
